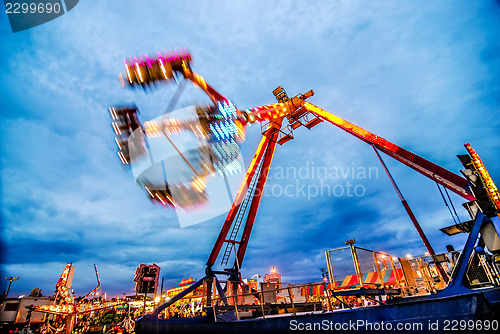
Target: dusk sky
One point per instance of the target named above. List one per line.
(422, 74)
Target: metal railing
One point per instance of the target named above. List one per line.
(357, 277)
(354, 267)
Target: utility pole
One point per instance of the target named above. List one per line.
(10, 279)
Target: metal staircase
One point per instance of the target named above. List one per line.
(231, 241)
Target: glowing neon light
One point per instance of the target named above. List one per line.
(113, 113)
(128, 72)
(149, 191)
(118, 144)
(163, 68)
(199, 79)
(148, 61)
(486, 179)
(425, 167)
(214, 131)
(219, 130)
(115, 127)
(152, 129)
(138, 70)
(122, 158)
(162, 202)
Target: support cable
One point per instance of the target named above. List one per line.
(445, 202)
(452, 206)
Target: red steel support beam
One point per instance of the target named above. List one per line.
(199, 81)
(414, 220)
(257, 195)
(406, 205)
(443, 176)
(237, 201)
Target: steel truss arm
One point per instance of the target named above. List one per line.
(259, 190)
(237, 201)
(257, 172)
(443, 176)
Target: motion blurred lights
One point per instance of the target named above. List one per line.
(146, 71)
(489, 185)
(122, 158)
(152, 129)
(129, 76)
(113, 114)
(228, 112)
(162, 67)
(118, 144)
(116, 128)
(185, 148)
(138, 71)
(178, 159)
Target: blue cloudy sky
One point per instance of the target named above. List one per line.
(422, 74)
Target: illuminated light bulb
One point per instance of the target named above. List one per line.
(127, 70)
(118, 144)
(221, 109)
(218, 153)
(115, 127)
(161, 200)
(148, 61)
(150, 193)
(212, 128)
(122, 158)
(138, 70)
(163, 68)
(219, 130)
(113, 113)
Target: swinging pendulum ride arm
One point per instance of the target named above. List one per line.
(147, 71)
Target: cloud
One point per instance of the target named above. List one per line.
(421, 75)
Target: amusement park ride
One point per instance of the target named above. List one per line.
(67, 306)
(218, 130)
